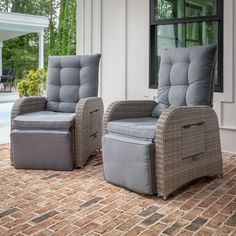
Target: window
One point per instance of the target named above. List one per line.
(185, 23)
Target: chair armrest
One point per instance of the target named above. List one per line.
(127, 109)
(185, 116)
(88, 128)
(85, 107)
(27, 105)
(184, 136)
(175, 124)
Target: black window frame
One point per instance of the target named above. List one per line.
(153, 83)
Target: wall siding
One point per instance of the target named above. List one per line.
(119, 29)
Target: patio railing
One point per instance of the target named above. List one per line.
(21, 66)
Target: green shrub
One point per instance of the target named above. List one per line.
(34, 83)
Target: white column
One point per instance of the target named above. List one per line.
(80, 27)
(41, 49)
(1, 45)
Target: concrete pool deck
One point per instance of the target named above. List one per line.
(6, 102)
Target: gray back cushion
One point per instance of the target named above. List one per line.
(70, 78)
(186, 77)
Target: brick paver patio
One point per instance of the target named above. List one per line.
(82, 203)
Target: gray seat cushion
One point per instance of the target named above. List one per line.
(140, 128)
(44, 120)
(129, 163)
(42, 149)
(186, 77)
(70, 78)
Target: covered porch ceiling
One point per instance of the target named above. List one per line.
(13, 25)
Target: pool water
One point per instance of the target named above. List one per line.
(5, 115)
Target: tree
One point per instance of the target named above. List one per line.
(4, 5)
(72, 32)
(67, 28)
(60, 27)
(52, 34)
(60, 37)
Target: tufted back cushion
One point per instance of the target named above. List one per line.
(186, 77)
(70, 78)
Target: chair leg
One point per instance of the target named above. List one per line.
(163, 197)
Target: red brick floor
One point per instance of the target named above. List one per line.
(82, 203)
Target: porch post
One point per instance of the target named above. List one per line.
(41, 49)
(1, 45)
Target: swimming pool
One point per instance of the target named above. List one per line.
(5, 115)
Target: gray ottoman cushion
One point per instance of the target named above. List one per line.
(143, 128)
(70, 78)
(44, 120)
(42, 149)
(185, 77)
(129, 163)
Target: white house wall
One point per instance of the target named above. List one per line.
(119, 30)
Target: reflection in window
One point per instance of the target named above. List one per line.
(186, 35)
(169, 9)
(186, 23)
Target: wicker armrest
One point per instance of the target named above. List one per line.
(27, 105)
(88, 128)
(127, 109)
(185, 116)
(186, 137)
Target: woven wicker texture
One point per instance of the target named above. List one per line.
(88, 128)
(187, 142)
(86, 132)
(187, 147)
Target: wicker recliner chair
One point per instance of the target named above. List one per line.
(151, 147)
(61, 131)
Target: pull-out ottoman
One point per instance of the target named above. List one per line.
(43, 140)
(129, 154)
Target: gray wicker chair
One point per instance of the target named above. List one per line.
(151, 147)
(61, 131)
